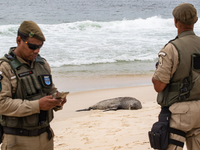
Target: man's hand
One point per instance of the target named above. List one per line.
(63, 100)
(48, 102)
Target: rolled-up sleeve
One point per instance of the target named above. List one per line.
(168, 63)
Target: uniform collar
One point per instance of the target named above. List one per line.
(24, 62)
(185, 33)
(20, 59)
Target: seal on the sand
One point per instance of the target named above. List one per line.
(128, 103)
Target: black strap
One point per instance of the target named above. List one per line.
(175, 142)
(14, 62)
(178, 132)
(24, 132)
(49, 134)
(39, 59)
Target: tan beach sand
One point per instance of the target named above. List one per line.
(112, 130)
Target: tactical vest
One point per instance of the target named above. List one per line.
(32, 84)
(184, 85)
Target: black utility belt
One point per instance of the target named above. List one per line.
(25, 132)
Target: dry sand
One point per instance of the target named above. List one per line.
(112, 130)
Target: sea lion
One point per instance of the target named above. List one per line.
(128, 103)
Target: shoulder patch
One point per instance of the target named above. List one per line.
(163, 54)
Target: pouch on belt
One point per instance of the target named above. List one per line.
(159, 134)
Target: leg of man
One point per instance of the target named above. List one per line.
(193, 139)
(45, 143)
(185, 117)
(14, 142)
(175, 137)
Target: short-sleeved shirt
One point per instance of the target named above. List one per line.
(168, 63)
(16, 107)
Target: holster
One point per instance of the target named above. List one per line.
(159, 135)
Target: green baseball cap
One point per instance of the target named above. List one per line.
(31, 29)
(185, 13)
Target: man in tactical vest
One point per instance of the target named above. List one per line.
(27, 94)
(177, 81)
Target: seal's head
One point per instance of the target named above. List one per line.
(185, 13)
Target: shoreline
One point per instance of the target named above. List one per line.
(80, 84)
(111, 130)
(85, 92)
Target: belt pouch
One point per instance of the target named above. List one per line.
(159, 134)
(154, 140)
(31, 121)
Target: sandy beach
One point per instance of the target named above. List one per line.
(111, 130)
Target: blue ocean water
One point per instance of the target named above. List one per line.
(95, 38)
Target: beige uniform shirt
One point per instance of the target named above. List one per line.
(168, 63)
(15, 107)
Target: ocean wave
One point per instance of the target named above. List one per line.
(91, 42)
(76, 62)
(140, 23)
(152, 22)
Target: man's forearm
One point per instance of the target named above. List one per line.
(158, 85)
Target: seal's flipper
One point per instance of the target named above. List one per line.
(88, 109)
(114, 109)
(83, 110)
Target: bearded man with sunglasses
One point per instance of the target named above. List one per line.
(27, 94)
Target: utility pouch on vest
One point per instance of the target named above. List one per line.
(31, 84)
(28, 85)
(185, 88)
(30, 121)
(196, 62)
(36, 82)
(46, 80)
(175, 92)
(159, 134)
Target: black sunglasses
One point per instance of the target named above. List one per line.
(32, 46)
